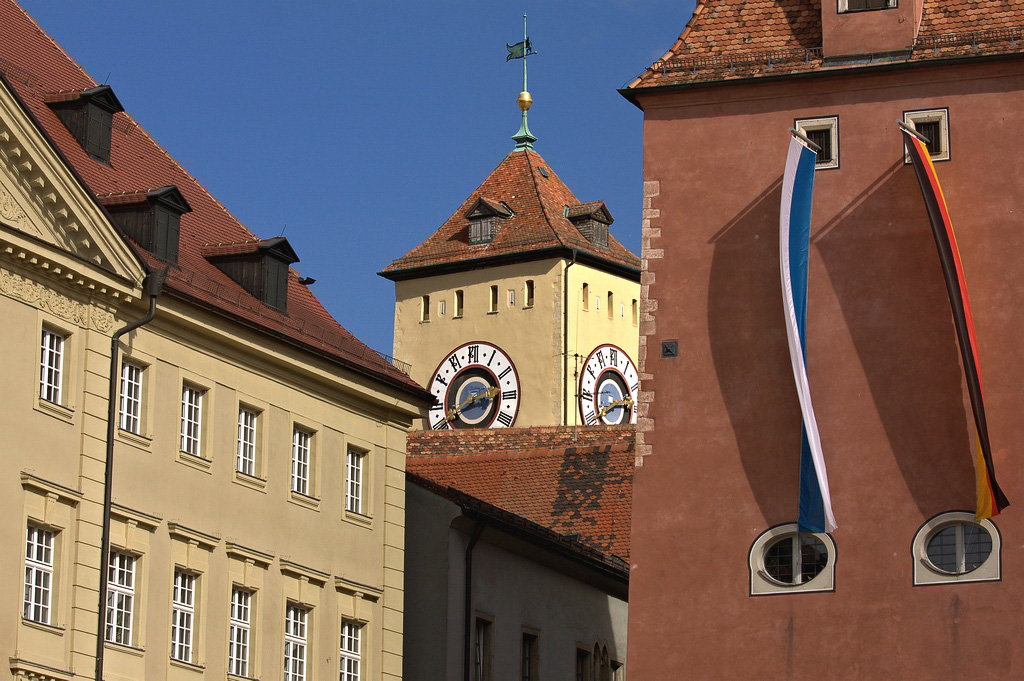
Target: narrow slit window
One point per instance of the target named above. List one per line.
(425, 309)
(529, 293)
(493, 307)
(459, 302)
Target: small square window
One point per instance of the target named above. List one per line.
(933, 124)
(824, 132)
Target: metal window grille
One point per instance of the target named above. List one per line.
(349, 655)
(246, 462)
(182, 616)
(131, 398)
(38, 574)
(354, 489)
(191, 419)
(295, 643)
(300, 461)
(51, 366)
(823, 138)
(120, 598)
(238, 636)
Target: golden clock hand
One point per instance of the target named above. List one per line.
(626, 402)
(487, 394)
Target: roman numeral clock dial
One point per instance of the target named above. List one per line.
(476, 386)
(609, 386)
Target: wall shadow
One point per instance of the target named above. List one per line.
(748, 346)
(888, 282)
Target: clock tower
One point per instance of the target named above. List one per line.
(521, 309)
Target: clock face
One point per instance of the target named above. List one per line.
(609, 384)
(476, 386)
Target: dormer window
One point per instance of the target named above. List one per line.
(88, 115)
(486, 217)
(150, 219)
(592, 220)
(260, 267)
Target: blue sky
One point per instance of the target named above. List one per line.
(357, 129)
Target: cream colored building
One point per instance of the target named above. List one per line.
(257, 518)
(522, 268)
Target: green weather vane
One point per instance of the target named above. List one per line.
(524, 139)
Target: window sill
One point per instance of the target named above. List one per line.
(193, 461)
(190, 666)
(303, 500)
(122, 648)
(59, 411)
(492, 312)
(42, 626)
(251, 481)
(358, 518)
(134, 439)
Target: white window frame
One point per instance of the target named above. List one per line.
(941, 116)
(191, 419)
(38, 574)
(120, 598)
(245, 459)
(350, 651)
(762, 584)
(51, 365)
(240, 632)
(925, 573)
(296, 621)
(302, 444)
(830, 123)
(183, 616)
(354, 471)
(130, 407)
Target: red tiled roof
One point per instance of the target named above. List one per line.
(525, 182)
(40, 71)
(734, 39)
(581, 486)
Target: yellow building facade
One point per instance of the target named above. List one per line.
(542, 283)
(258, 468)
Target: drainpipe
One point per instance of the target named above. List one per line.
(153, 285)
(468, 629)
(565, 341)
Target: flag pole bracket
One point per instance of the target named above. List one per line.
(803, 138)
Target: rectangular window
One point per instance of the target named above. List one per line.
(934, 125)
(824, 132)
(493, 307)
(239, 632)
(425, 308)
(130, 412)
(481, 230)
(582, 665)
(611, 305)
(861, 5)
(38, 574)
(183, 613)
(246, 462)
(295, 643)
(51, 366)
(349, 656)
(528, 658)
(482, 651)
(586, 297)
(120, 598)
(529, 293)
(441, 308)
(300, 461)
(459, 301)
(636, 316)
(354, 482)
(191, 418)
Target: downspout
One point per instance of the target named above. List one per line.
(565, 341)
(467, 634)
(154, 284)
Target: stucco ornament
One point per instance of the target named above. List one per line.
(12, 213)
(44, 298)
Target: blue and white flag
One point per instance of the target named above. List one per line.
(794, 243)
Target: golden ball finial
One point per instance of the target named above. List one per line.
(524, 101)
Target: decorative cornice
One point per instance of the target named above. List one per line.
(45, 298)
(204, 540)
(64, 494)
(33, 671)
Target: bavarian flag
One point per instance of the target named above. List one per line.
(815, 513)
(990, 498)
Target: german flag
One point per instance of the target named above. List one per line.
(990, 498)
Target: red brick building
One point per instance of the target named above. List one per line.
(908, 586)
